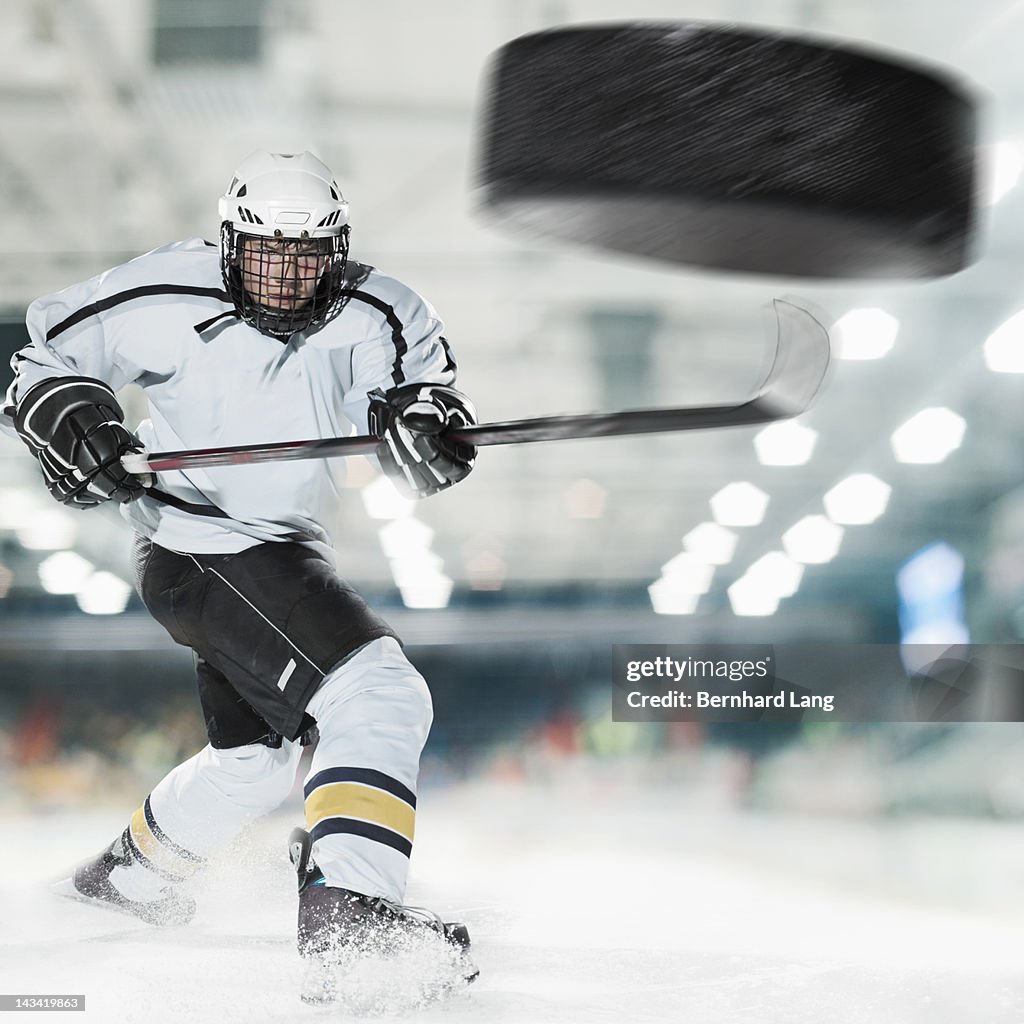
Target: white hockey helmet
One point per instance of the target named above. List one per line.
(284, 209)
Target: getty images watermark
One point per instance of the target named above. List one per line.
(817, 682)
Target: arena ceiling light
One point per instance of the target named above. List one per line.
(420, 580)
(19, 506)
(858, 499)
(103, 593)
(403, 537)
(929, 436)
(688, 574)
(711, 543)
(814, 540)
(668, 599)
(750, 596)
(868, 333)
(433, 590)
(1004, 347)
(50, 529)
(739, 504)
(777, 573)
(786, 443)
(64, 572)
(382, 500)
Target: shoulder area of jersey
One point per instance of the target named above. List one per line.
(190, 259)
(373, 290)
(185, 247)
(192, 263)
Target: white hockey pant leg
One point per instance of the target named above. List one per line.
(373, 713)
(200, 806)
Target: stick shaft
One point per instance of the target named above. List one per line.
(543, 428)
(802, 357)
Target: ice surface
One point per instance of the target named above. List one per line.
(584, 906)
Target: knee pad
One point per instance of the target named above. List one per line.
(377, 677)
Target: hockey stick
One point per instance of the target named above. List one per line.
(801, 360)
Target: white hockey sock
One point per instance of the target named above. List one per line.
(373, 713)
(199, 807)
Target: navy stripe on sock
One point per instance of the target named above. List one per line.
(367, 776)
(178, 851)
(137, 855)
(354, 827)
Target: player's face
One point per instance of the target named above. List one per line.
(281, 273)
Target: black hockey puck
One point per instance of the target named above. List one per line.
(731, 147)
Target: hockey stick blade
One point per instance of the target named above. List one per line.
(802, 355)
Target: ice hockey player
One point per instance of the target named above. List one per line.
(273, 334)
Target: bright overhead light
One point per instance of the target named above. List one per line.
(929, 436)
(19, 506)
(860, 498)
(103, 593)
(814, 540)
(711, 543)
(64, 572)
(382, 500)
(935, 570)
(865, 334)
(749, 597)
(413, 564)
(688, 574)
(420, 581)
(785, 443)
(1001, 168)
(1004, 347)
(426, 590)
(776, 573)
(405, 536)
(49, 530)
(739, 504)
(668, 599)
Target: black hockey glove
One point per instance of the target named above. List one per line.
(410, 421)
(75, 428)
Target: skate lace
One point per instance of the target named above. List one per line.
(420, 914)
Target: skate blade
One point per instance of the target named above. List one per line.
(66, 887)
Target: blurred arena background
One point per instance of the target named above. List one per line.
(120, 122)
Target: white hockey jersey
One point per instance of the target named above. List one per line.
(165, 322)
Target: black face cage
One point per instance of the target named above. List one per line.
(269, 279)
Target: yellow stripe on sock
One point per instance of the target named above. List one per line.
(354, 800)
(144, 838)
(156, 852)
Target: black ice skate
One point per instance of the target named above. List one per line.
(336, 925)
(91, 883)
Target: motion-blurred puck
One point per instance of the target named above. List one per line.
(733, 148)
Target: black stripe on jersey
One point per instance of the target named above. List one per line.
(367, 776)
(355, 827)
(401, 345)
(101, 305)
(186, 506)
(451, 364)
(206, 324)
(157, 831)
